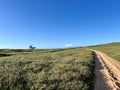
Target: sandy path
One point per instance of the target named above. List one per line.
(107, 71)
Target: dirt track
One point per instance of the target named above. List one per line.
(107, 71)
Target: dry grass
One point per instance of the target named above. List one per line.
(112, 49)
(60, 69)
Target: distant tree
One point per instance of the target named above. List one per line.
(31, 47)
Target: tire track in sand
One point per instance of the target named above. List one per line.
(107, 71)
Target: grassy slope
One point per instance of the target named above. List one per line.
(112, 49)
(63, 69)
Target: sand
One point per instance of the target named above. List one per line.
(107, 72)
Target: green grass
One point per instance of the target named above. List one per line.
(53, 69)
(111, 49)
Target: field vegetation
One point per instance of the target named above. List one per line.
(111, 49)
(52, 69)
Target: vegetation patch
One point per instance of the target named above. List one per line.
(5, 55)
(68, 69)
(111, 49)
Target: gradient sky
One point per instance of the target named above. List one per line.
(58, 23)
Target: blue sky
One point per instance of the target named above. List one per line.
(58, 23)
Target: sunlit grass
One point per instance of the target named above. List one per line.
(112, 49)
(62, 69)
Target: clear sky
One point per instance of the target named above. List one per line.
(58, 23)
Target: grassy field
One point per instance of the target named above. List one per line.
(53, 69)
(111, 49)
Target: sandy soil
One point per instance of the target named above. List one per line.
(107, 71)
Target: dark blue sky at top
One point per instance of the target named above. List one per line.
(54, 23)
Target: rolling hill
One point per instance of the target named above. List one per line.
(51, 69)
